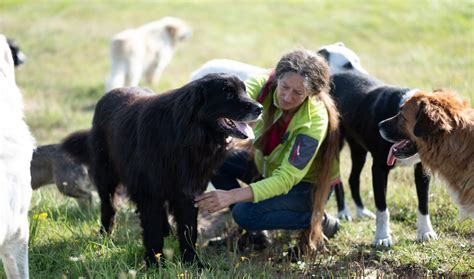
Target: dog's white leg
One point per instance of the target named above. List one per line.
(424, 230)
(15, 260)
(22, 259)
(10, 266)
(345, 214)
(134, 72)
(164, 58)
(117, 76)
(363, 212)
(382, 230)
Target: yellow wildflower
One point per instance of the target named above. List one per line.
(158, 256)
(41, 216)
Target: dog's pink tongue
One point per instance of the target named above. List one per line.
(245, 129)
(391, 158)
(391, 154)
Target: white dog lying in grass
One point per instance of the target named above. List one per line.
(144, 51)
(339, 58)
(16, 149)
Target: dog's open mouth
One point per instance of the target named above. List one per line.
(238, 129)
(401, 150)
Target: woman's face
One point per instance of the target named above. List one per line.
(291, 92)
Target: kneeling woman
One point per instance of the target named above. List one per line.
(296, 145)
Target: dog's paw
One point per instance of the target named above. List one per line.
(424, 230)
(345, 214)
(384, 241)
(382, 230)
(363, 213)
(426, 236)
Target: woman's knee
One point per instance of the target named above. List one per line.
(244, 215)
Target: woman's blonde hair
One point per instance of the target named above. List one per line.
(315, 72)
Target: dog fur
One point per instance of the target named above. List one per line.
(339, 57)
(440, 125)
(51, 165)
(15, 155)
(163, 149)
(363, 102)
(144, 51)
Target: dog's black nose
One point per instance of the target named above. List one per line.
(258, 108)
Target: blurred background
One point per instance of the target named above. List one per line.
(420, 44)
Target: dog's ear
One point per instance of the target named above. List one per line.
(431, 119)
(423, 125)
(188, 103)
(324, 53)
(172, 30)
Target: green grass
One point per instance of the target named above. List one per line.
(422, 44)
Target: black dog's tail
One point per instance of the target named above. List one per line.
(77, 146)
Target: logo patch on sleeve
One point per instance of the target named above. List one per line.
(302, 151)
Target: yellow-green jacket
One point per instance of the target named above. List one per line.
(292, 161)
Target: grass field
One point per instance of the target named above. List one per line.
(419, 44)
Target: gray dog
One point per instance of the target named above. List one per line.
(51, 165)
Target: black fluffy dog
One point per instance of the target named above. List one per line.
(363, 102)
(164, 149)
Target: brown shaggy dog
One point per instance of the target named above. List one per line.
(440, 127)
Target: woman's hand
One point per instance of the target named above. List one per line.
(219, 199)
(214, 201)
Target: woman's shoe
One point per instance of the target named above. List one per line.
(330, 225)
(257, 240)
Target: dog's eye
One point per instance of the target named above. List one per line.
(348, 65)
(229, 95)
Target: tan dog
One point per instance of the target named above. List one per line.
(440, 127)
(51, 165)
(144, 51)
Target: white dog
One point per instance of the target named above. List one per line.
(16, 149)
(144, 51)
(339, 58)
(242, 70)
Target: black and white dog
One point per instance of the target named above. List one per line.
(363, 102)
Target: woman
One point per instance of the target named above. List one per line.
(296, 145)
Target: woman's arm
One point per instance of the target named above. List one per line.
(216, 200)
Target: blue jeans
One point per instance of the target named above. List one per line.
(291, 211)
